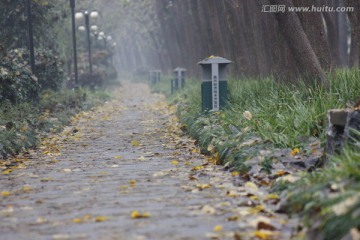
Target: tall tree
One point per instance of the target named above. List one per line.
(354, 18)
(300, 46)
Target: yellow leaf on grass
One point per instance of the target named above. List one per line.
(295, 151)
(218, 228)
(118, 157)
(101, 218)
(5, 193)
(235, 174)
(187, 163)
(195, 150)
(135, 143)
(137, 214)
(174, 162)
(272, 196)
(247, 115)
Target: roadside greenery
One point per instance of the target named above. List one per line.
(328, 199)
(265, 115)
(22, 124)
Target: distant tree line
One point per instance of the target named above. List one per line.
(259, 43)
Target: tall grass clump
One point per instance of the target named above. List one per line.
(282, 115)
(287, 114)
(328, 199)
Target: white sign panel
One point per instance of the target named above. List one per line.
(215, 86)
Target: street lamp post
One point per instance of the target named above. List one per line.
(72, 6)
(31, 38)
(87, 16)
(87, 26)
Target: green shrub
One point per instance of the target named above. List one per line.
(49, 69)
(21, 124)
(17, 83)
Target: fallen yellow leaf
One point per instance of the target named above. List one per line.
(187, 163)
(256, 209)
(295, 151)
(247, 115)
(203, 186)
(174, 162)
(218, 228)
(197, 168)
(118, 157)
(132, 182)
(265, 234)
(251, 185)
(232, 193)
(135, 143)
(101, 218)
(27, 188)
(233, 218)
(235, 174)
(254, 197)
(41, 220)
(272, 196)
(281, 172)
(77, 220)
(21, 166)
(6, 171)
(141, 158)
(5, 193)
(137, 214)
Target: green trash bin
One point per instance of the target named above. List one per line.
(214, 90)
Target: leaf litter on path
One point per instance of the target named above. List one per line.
(157, 171)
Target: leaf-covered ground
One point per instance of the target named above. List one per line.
(125, 171)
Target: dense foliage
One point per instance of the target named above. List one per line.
(17, 83)
(47, 15)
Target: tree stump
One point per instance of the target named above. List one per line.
(343, 128)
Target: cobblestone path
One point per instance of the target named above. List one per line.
(121, 171)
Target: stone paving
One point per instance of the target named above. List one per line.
(121, 171)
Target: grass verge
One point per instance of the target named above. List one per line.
(22, 125)
(263, 115)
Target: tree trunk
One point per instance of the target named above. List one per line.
(300, 46)
(313, 26)
(354, 18)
